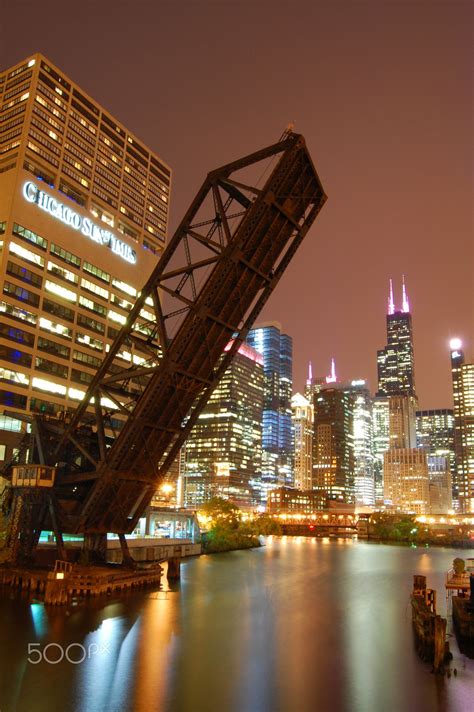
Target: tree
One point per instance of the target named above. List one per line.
(221, 512)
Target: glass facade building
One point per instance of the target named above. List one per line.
(277, 437)
(223, 453)
(333, 444)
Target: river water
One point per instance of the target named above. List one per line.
(300, 625)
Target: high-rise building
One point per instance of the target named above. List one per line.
(313, 384)
(277, 440)
(303, 417)
(406, 480)
(440, 484)
(435, 433)
(395, 363)
(405, 468)
(402, 421)
(363, 433)
(463, 395)
(83, 218)
(333, 444)
(381, 430)
(223, 453)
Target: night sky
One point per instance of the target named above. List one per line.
(383, 93)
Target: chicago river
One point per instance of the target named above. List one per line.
(299, 625)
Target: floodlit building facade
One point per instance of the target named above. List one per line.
(406, 480)
(223, 453)
(303, 417)
(363, 431)
(83, 219)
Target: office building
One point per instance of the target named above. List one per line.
(463, 396)
(406, 480)
(363, 438)
(333, 444)
(395, 362)
(277, 441)
(402, 421)
(313, 385)
(440, 484)
(223, 453)
(83, 219)
(303, 417)
(405, 468)
(435, 433)
(381, 431)
(288, 500)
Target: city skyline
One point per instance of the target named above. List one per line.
(333, 296)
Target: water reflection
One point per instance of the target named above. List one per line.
(302, 624)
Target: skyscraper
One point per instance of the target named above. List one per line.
(395, 362)
(381, 430)
(83, 218)
(313, 384)
(463, 395)
(405, 468)
(364, 460)
(406, 480)
(435, 434)
(333, 444)
(303, 417)
(223, 454)
(277, 441)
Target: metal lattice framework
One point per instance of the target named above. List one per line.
(210, 284)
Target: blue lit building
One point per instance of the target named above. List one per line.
(277, 437)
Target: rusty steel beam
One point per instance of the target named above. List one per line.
(215, 281)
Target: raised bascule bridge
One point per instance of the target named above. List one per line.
(95, 471)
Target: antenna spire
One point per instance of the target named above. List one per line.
(391, 303)
(332, 378)
(405, 303)
(310, 375)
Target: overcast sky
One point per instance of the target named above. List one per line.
(382, 92)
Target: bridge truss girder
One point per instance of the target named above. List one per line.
(212, 281)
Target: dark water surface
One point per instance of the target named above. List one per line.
(299, 625)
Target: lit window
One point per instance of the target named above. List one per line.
(117, 317)
(127, 288)
(54, 327)
(60, 291)
(14, 377)
(26, 254)
(49, 386)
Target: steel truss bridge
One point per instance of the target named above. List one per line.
(105, 461)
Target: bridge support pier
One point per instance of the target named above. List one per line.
(174, 568)
(127, 559)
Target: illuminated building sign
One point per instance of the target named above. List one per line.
(84, 225)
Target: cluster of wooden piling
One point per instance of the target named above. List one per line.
(429, 628)
(64, 583)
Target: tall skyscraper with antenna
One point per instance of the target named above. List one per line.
(395, 362)
(405, 467)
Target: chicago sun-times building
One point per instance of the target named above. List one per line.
(83, 219)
